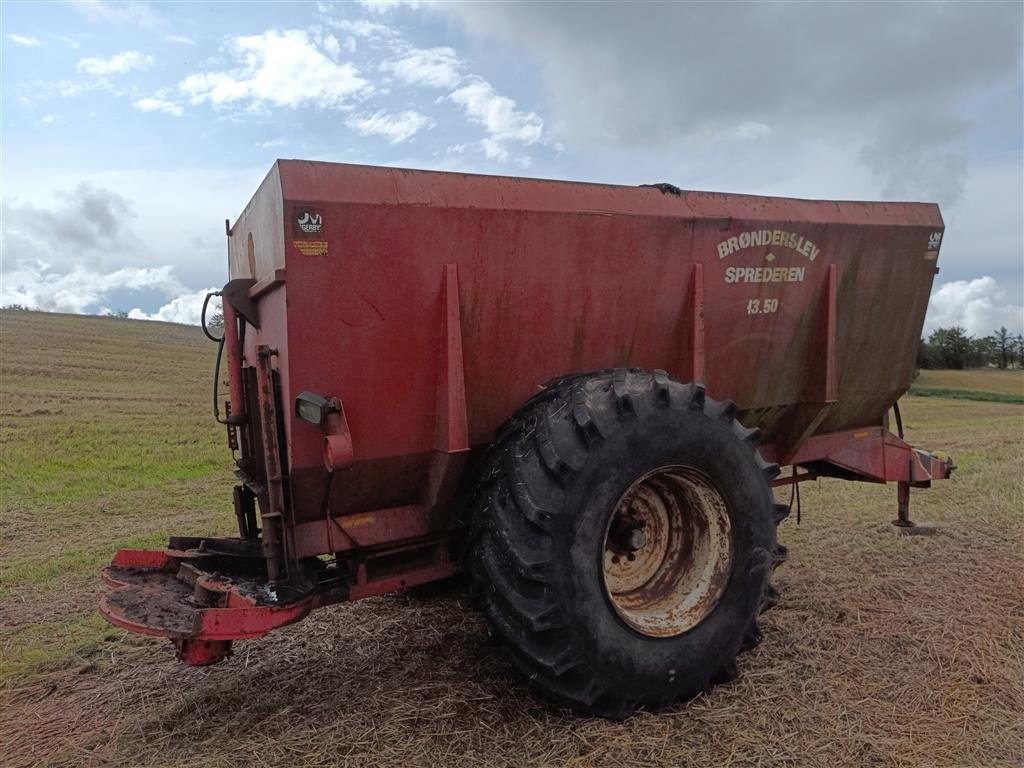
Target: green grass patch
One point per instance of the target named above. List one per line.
(1007, 382)
(967, 394)
(53, 645)
(106, 442)
(73, 564)
(65, 460)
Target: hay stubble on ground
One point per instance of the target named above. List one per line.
(884, 650)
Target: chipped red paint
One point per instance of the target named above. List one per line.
(149, 599)
(202, 653)
(873, 454)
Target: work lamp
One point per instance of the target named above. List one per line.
(312, 408)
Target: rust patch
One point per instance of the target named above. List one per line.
(668, 551)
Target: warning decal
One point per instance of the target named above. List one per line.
(311, 247)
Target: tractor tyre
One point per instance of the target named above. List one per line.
(621, 541)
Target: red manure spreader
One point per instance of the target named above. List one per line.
(579, 395)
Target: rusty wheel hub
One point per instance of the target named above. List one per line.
(668, 551)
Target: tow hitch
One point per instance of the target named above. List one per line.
(203, 593)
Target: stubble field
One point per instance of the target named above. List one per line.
(884, 651)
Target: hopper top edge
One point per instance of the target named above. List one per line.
(315, 181)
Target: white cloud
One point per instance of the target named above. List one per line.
(750, 130)
(86, 221)
(60, 247)
(441, 67)
(97, 71)
(332, 46)
(118, 64)
(280, 141)
(395, 128)
(433, 67)
(980, 306)
(40, 89)
(155, 104)
(179, 39)
(364, 28)
(131, 227)
(27, 40)
(70, 42)
(99, 12)
(494, 150)
(497, 113)
(81, 289)
(187, 309)
(499, 117)
(386, 6)
(284, 69)
(48, 120)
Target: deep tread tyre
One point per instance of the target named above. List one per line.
(537, 553)
(771, 597)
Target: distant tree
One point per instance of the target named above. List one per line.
(982, 352)
(18, 307)
(122, 313)
(950, 348)
(953, 348)
(925, 355)
(1003, 346)
(215, 321)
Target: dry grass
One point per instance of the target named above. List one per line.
(884, 651)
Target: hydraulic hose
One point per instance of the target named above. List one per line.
(220, 354)
(216, 384)
(202, 317)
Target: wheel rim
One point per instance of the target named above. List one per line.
(667, 551)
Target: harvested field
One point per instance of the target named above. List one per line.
(983, 384)
(1010, 382)
(884, 651)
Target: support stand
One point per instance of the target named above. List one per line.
(903, 524)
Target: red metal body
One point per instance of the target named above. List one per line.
(428, 307)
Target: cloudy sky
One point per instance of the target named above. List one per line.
(132, 130)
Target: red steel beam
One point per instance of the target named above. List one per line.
(875, 454)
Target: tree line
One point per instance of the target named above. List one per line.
(953, 348)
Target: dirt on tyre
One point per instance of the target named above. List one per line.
(622, 537)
